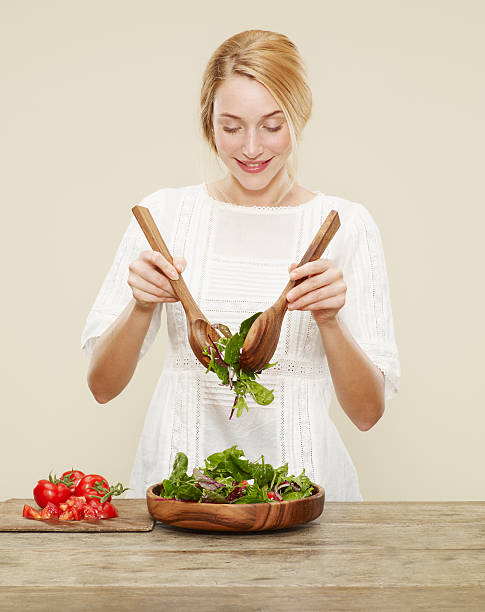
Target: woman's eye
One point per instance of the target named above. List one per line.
(232, 130)
(275, 129)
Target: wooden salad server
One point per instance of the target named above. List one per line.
(260, 343)
(200, 331)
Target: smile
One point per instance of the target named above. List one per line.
(253, 166)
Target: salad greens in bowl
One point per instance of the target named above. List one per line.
(232, 493)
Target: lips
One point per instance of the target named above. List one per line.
(257, 168)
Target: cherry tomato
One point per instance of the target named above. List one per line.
(92, 486)
(270, 494)
(71, 478)
(50, 491)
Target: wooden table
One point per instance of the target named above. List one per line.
(356, 556)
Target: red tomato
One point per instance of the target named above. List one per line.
(107, 511)
(31, 513)
(71, 478)
(50, 491)
(270, 494)
(50, 511)
(92, 486)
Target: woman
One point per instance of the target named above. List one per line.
(237, 240)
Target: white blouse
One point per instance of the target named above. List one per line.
(237, 264)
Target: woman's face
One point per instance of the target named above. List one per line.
(257, 131)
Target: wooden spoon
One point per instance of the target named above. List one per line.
(200, 331)
(260, 343)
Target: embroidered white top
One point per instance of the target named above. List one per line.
(237, 264)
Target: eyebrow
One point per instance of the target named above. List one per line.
(236, 117)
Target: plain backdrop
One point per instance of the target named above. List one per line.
(100, 105)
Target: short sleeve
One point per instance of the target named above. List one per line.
(115, 293)
(367, 311)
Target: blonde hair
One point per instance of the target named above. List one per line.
(274, 61)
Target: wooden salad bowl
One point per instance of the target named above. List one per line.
(235, 517)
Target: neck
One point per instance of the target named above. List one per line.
(271, 195)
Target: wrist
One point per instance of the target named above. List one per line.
(328, 324)
(146, 308)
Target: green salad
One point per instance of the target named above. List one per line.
(229, 478)
(224, 361)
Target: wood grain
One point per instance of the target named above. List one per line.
(235, 517)
(204, 598)
(355, 556)
(131, 517)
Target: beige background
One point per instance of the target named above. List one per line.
(100, 108)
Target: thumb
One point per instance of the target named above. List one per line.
(179, 263)
(292, 266)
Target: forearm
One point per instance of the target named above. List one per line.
(358, 383)
(116, 352)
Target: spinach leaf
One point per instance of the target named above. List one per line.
(180, 466)
(240, 405)
(254, 495)
(262, 473)
(233, 348)
(246, 325)
(187, 490)
(261, 394)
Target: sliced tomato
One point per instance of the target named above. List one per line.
(31, 513)
(90, 512)
(50, 511)
(76, 502)
(66, 516)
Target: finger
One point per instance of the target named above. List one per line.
(328, 277)
(318, 295)
(149, 273)
(312, 267)
(139, 283)
(333, 303)
(158, 260)
(292, 266)
(142, 296)
(179, 263)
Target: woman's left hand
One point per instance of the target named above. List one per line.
(323, 292)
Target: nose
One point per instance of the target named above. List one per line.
(252, 146)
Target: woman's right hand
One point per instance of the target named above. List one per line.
(149, 278)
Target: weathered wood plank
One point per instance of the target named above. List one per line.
(403, 512)
(276, 568)
(264, 599)
(132, 516)
(350, 536)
